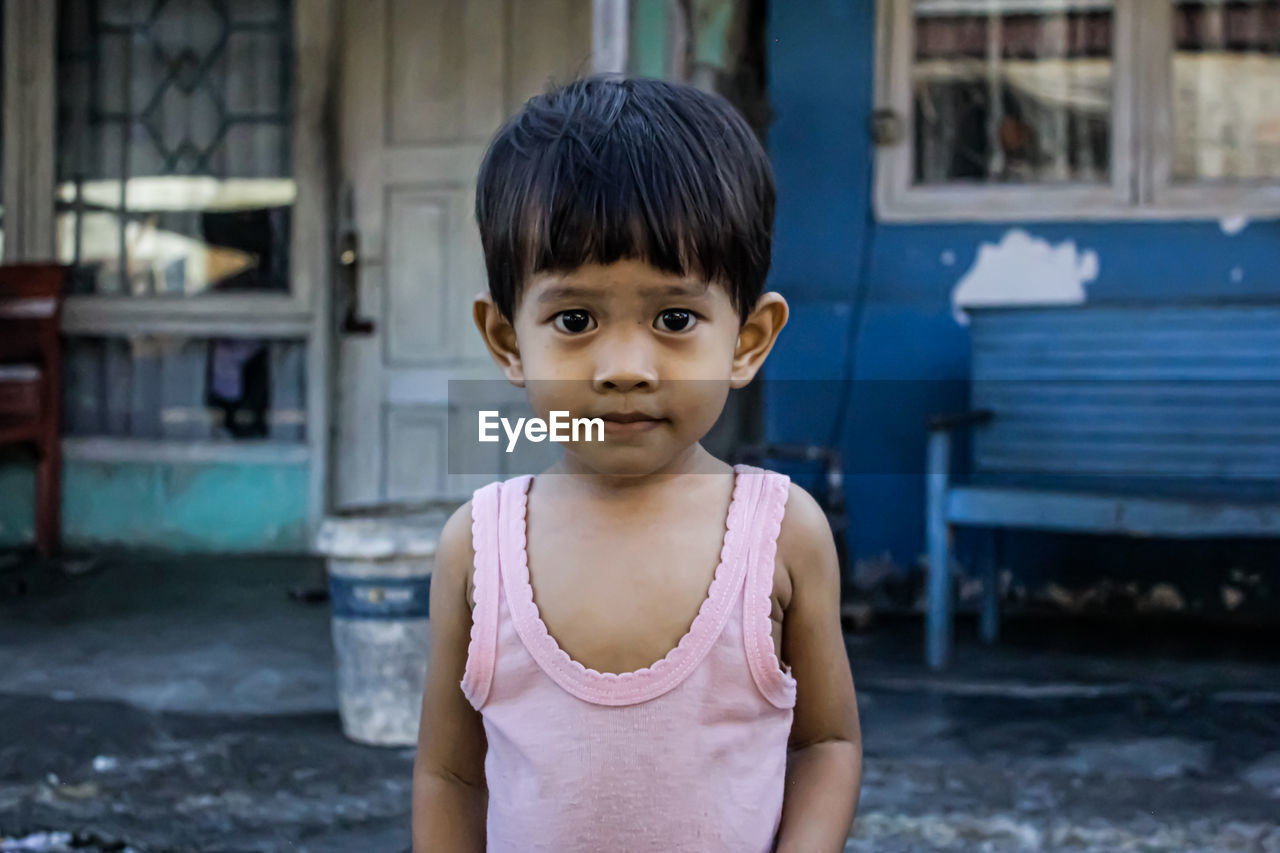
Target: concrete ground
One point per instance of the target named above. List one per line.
(188, 705)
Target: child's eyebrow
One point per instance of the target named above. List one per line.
(568, 291)
(564, 291)
(688, 291)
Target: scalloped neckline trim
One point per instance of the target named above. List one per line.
(626, 688)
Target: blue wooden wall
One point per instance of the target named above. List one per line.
(841, 271)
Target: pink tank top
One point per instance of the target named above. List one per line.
(688, 754)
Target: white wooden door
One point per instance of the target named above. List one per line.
(425, 83)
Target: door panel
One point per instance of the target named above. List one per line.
(418, 286)
(551, 41)
(444, 80)
(425, 85)
(416, 437)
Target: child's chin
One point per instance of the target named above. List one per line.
(622, 461)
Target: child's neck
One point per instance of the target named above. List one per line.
(695, 460)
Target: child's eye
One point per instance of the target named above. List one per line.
(676, 320)
(573, 322)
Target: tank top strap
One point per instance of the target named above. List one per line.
(482, 651)
(776, 684)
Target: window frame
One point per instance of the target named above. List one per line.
(1141, 142)
(31, 43)
(1161, 194)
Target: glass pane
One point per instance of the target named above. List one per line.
(175, 175)
(1226, 72)
(1012, 91)
(157, 386)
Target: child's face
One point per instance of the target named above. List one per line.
(629, 338)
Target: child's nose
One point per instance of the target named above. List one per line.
(625, 363)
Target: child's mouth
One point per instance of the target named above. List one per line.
(630, 423)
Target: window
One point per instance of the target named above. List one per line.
(1003, 109)
(1221, 88)
(174, 146)
(174, 387)
(175, 208)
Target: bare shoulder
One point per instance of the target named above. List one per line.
(806, 546)
(455, 554)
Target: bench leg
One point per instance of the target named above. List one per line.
(939, 620)
(49, 500)
(990, 621)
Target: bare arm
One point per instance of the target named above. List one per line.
(450, 798)
(824, 766)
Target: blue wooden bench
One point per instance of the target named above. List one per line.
(1142, 421)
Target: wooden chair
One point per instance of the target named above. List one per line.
(31, 382)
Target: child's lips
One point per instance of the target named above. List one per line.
(627, 417)
(630, 423)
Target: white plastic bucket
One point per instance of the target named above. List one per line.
(379, 563)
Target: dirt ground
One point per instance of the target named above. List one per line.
(158, 705)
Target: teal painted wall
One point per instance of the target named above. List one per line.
(186, 507)
(649, 48)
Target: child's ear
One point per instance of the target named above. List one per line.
(499, 337)
(756, 337)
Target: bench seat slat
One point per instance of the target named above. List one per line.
(1176, 392)
(1072, 512)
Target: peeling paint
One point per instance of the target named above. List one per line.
(1025, 270)
(1233, 225)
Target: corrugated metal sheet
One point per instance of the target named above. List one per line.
(1184, 398)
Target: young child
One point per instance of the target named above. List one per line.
(638, 649)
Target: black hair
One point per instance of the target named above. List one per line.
(611, 168)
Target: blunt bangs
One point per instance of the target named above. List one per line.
(613, 168)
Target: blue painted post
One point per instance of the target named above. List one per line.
(990, 624)
(938, 622)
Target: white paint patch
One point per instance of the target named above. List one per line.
(1233, 225)
(1024, 270)
(1237, 275)
(948, 258)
